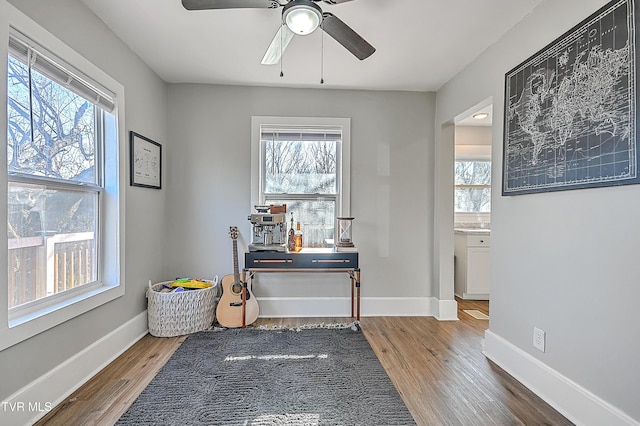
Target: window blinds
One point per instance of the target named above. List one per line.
(28, 51)
(300, 134)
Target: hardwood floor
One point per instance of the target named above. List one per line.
(437, 367)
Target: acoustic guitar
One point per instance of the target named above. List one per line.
(237, 306)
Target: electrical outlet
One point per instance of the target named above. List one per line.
(538, 339)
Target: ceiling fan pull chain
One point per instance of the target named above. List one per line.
(281, 55)
(322, 54)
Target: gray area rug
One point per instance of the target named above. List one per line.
(321, 376)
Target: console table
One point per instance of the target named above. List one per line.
(308, 260)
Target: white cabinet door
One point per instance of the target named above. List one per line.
(478, 263)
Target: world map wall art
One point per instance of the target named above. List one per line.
(570, 109)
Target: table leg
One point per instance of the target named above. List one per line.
(353, 279)
(358, 290)
(243, 277)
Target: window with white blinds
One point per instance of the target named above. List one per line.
(302, 165)
(63, 179)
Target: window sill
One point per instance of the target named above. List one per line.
(26, 324)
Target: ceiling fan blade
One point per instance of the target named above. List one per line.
(229, 4)
(344, 35)
(278, 45)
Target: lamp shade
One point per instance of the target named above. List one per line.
(302, 16)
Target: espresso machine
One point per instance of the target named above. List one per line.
(269, 230)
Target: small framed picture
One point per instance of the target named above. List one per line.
(146, 161)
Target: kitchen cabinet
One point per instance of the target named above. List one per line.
(472, 249)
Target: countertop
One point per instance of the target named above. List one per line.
(472, 231)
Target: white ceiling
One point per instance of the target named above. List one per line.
(420, 44)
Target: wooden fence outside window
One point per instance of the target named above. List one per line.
(44, 266)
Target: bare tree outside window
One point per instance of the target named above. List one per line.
(52, 146)
(60, 142)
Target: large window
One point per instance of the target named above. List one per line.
(63, 183)
(301, 164)
(472, 186)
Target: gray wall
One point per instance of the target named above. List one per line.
(565, 262)
(209, 181)
(146, 104)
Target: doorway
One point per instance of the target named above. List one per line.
(472, 170)
(472, 204)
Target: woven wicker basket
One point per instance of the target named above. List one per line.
(177, 314)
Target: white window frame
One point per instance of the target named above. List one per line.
(20, 324)
(343, 199)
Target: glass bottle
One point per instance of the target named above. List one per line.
(291, 240)
(298, 237)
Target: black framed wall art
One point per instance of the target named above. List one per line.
(146, 161)
(570, 109)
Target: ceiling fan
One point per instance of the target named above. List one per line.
(299, 17)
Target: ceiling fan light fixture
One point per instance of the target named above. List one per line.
(302, 16)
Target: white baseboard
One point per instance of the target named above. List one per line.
(570, 399)
(288, 307)
(445, 310)
(475, 296)
(33, 401)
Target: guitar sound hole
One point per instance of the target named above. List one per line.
(236, 288)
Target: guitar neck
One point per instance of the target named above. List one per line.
(236, 272)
